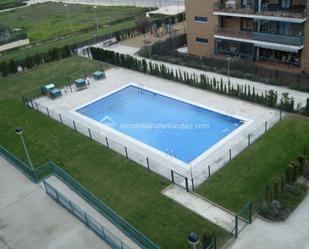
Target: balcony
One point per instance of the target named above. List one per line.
(278, 11)
(247, 35)
(277, 38)
(232, 7)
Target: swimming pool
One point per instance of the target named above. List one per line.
(172, 126)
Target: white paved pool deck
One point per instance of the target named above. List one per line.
(161, 162)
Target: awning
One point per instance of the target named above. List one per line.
(277, 46)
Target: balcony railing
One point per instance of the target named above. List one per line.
(284, 39)
(259, 36)
(231, 6)
(233, 33)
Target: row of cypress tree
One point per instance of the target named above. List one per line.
(246, 92)
(11, 67)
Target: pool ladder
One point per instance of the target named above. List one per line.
(140, 88)
(230, 114)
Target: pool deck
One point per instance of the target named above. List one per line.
(162, 164)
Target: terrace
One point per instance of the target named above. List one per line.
(266, 8)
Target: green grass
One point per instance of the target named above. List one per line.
(44, 21)
(245, 178)
(21, 53)
(126, 187)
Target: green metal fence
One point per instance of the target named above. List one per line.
(87, 219)
(51, 168)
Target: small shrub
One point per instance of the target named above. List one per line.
(306, 172)
(274, 211)
(237, 74)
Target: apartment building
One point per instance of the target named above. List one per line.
(266, 31)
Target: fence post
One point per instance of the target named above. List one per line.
(86, 220)
(250, 212)
(208, 171)
(36, 105)
(60, 118)
(126, 150)
(106, 139)
(148, 164)
(280, 115)
(47, 112)
(236, 226)
(230, 154)
(248, 139)
(74, 126)
(103, 233)
(265, 126)
(172, 175)
(187, 184)
(90, 136)
(192, 183)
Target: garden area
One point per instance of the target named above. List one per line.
(52, 20)
(129, 189)
(264, 170)
(244, 69)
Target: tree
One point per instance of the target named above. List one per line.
(142, 25)
(306, 112)
(12, 66)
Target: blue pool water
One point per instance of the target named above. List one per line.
(169, 125)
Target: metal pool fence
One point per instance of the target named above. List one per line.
(51, 168)
(180, 178)
(187, 178)
(84, 217)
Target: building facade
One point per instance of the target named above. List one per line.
(274, 31)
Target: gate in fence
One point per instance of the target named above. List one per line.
(242, 219)
(180, 180)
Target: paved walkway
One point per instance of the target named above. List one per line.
(77, 200)
(204, 208)
(30, 219)
(291, 234)
(300, 97)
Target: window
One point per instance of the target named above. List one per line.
(201, 40)
(200, 19)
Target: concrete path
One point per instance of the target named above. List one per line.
(77, 200)
(204, 208)
(30, 219)
(299, 97)
(291, 234)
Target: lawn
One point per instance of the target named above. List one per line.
(8, 4)
(126, 187)
(245, 178)
(50, 20)
(22, 53)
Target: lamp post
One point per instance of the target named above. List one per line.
(193, 239)
(69, 16)
(96, 17)
(19, 132)
(228, 57)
